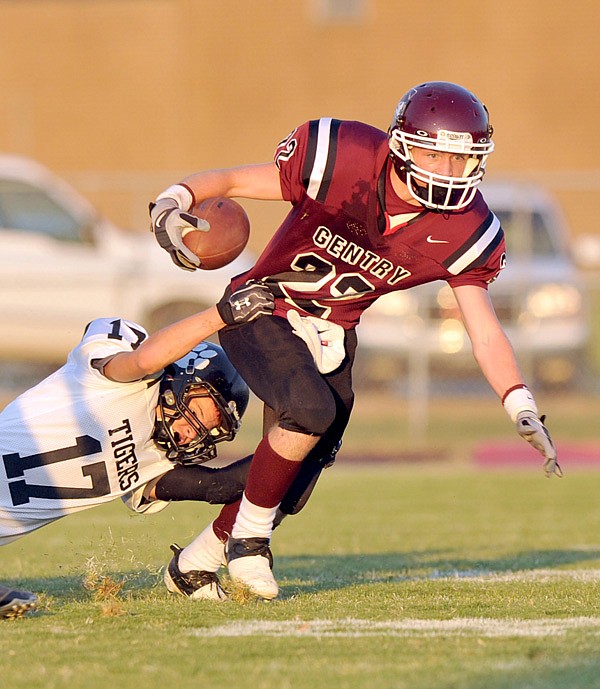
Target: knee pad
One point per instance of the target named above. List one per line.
(311, 417)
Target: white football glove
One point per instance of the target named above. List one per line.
(170, 224)
(324, 339)
(532, 429)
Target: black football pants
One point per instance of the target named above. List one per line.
(280, 370)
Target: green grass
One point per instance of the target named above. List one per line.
(393, 577)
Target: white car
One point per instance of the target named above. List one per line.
(539, 298)
(62, 264)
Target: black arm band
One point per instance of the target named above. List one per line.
(219, 486)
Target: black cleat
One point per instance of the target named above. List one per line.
(198, 585)
(15, 603)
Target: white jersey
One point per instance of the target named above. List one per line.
(77, 439)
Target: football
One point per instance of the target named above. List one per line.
(228, 234)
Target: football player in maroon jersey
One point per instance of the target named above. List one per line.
(372, 212)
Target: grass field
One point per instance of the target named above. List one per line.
(393, 577)
(396, 576)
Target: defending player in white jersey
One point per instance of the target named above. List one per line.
(127, 416)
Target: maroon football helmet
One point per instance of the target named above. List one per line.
(440, 116)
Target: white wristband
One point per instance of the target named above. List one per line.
(518, 400)
(182, 196)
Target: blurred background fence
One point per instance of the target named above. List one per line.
(414, 365)
(123, 97)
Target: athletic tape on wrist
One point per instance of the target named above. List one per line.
(181, 194)
(518, 399)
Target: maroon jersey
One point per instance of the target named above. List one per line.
(348, 238)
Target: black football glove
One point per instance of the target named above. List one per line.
(251, 300)
(532, 429)
(169, 223)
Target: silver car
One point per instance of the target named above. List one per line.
(539, 298)
(62, 264)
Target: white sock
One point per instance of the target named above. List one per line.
(204, 553)
(253, 521)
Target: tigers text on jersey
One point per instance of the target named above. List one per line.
(348, 238)
(77, 439)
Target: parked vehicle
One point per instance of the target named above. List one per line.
(539, 298)
(63, 264)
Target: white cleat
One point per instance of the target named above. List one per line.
(250, 561)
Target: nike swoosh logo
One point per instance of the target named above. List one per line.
(431, 240)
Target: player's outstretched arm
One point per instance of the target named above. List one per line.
(163, 347)
(251, 300)
(496, 358)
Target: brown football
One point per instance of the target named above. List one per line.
(228, 234)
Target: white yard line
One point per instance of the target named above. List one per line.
(541, 575)
(466, 626)
(480, 576)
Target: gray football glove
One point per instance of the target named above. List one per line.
(532, 429)
(251, 300)
(168, 224)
